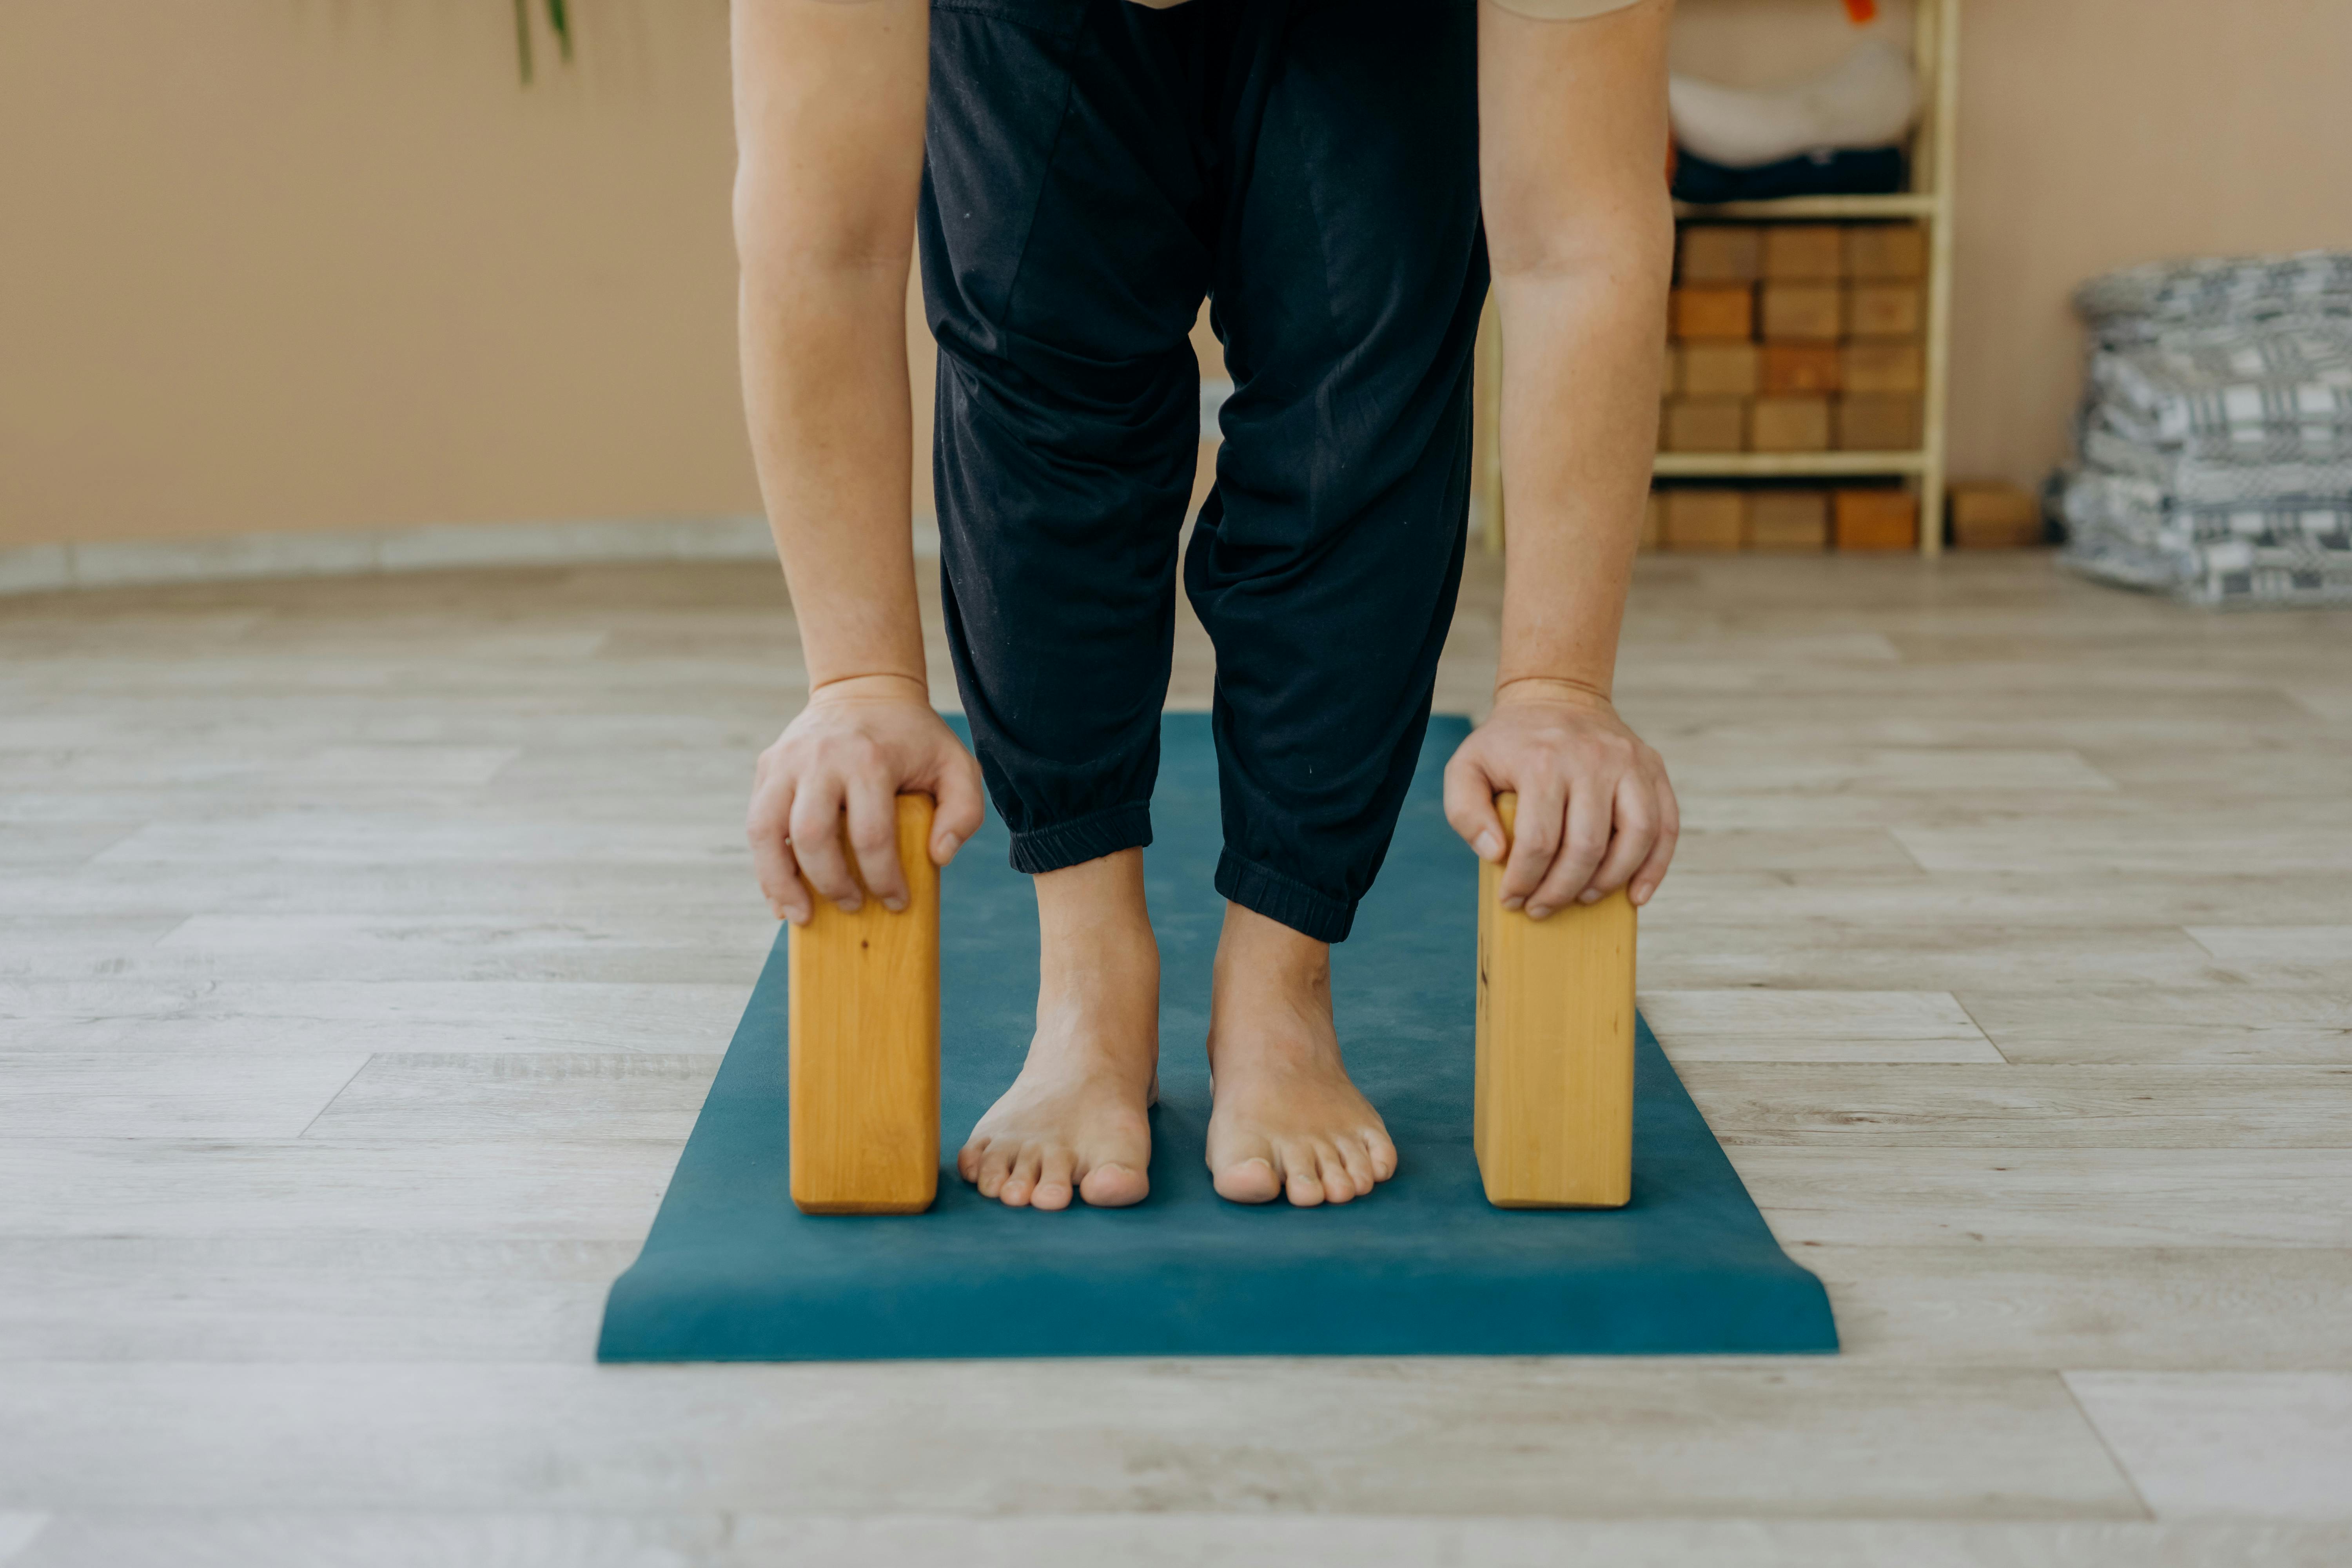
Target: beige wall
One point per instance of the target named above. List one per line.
(294, 264)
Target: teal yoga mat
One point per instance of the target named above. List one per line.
(1423, 1266)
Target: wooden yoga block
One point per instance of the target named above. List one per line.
(1705, 424)
(1889, 365)
(1897, 251)
(1789, 425)
(1878, 422)
(1720, 370)
(1805, 312)
(865, 1020)
(1801, 367)
(1789, 521)
(1884, 310)
(1805, 252)
(1553, 1117)
(1877, 520)
(1705, 519)
(1719, 253)
(1714, 311)
(1988, 515)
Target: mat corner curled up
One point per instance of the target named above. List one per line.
(731, 1271)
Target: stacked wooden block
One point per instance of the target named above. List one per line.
(1797, 338)
(1702, 518)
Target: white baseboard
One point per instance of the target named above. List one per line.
(117, 563)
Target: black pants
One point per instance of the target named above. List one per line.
(1094, 169)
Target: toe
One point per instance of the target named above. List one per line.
(1023, 1181)
(1249, 1178)
(1302, 1180)
(1112, 1186)
(968, 1158)
(995, 1165)
(1382, 1152)
(1338, 1187)
(1054, 1182)
(1356, 1159)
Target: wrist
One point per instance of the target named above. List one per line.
(881, 686)
(1552, 688)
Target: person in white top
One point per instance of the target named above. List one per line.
(1339, 179)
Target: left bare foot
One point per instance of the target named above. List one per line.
(1286, 1121)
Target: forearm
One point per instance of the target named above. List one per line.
(1572, 147)
(826, 395)
(1580, 379)
(829, 108)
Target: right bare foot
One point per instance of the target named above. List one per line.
(1074, 1121)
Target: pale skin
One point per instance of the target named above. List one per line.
(829, 101)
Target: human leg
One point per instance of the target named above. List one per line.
(1348, 283)
(1061, 275)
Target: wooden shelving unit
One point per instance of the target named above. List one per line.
(1936, 52)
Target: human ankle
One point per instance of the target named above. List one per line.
(1097, 964)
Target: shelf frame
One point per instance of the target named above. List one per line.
(1935, 56)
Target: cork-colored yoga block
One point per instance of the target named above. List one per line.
(1705, 518)
(1714, 311)
(1811, 312)
(1884, 310)
(1804, 253)
(1720, 370)
(1877, 520)
(1885, 250)
(1892, 364)
(1879, 422)
(1789, 368)
(1992, 515)
(1705, 424)
(1719, 253)
(1800, 424)
(1552, 1122)
(864, 1017)
(1790, 522)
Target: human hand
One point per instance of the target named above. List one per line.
(1595, 813)
(858, 746)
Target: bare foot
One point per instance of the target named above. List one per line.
(1287, 1121)
(1074, 1121)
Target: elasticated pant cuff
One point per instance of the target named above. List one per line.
(1082, 838)
(1277, 898)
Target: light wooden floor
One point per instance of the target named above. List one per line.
(365, 948)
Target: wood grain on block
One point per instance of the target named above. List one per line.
(1809, 312)
(1878, 422)
(1884, 310)
(1789, 423)
(1885, 250)
(1876, 519)
(865, 1025)
(1714, 310)
(1719, 253)
(1801, 367)
(1805, 252)
(1989, 515)
(1553, 1115)
(1793, 521)
(1705, 518)
(1721, 369)
(1885, 364)
(1706, 424)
